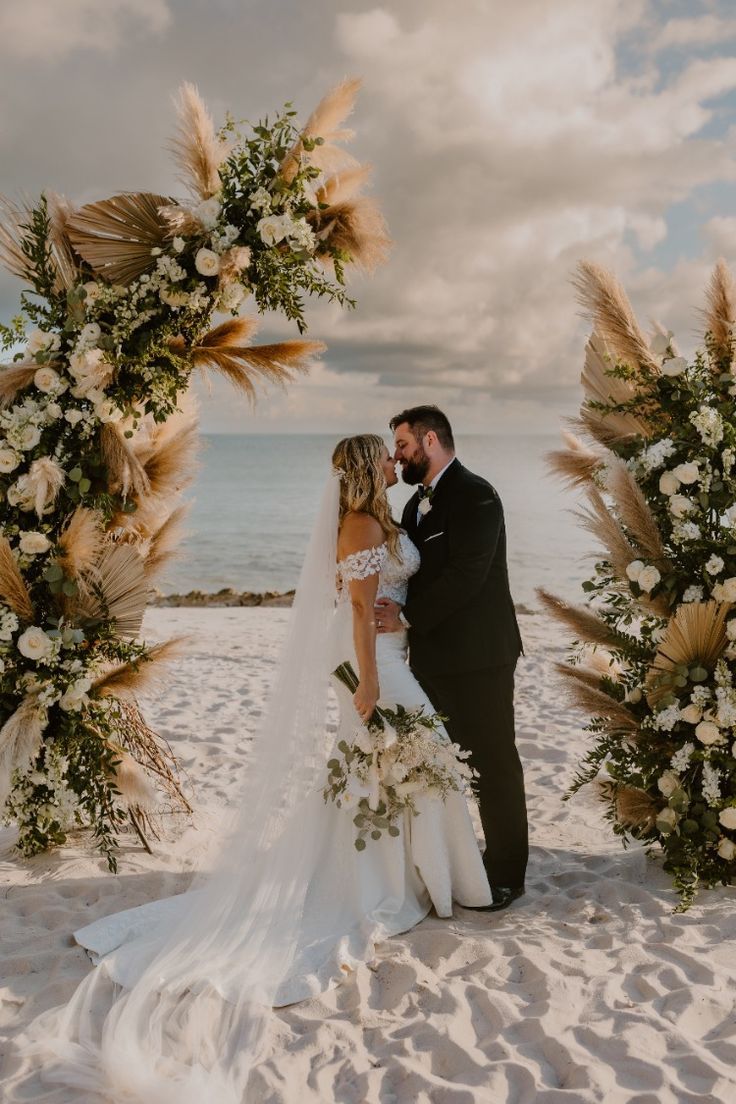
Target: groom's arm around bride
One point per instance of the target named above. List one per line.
(464, 639)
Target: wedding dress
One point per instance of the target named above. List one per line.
(356, 898)
(178, 1008)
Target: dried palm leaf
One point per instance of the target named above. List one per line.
(197, 150)
(126, 474)
(14, 378)
(116, 589)
(12, 228)
(20, 741)
(635, 809)
(577, 464)
(180, 219)
(116, 235)
(324, 122)
(80, 542)
(60, 210)
(603, 297)
(695, 637)
(586, 626)
(148, 671)
(13, 590)
(355, 226)
(636, 514)
(165, 542)
(720, 312)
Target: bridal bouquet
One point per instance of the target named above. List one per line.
(655, 658)
(397, 756)
(98, 437)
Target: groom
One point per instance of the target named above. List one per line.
(464, 640)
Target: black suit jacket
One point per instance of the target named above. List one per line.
(459, 605)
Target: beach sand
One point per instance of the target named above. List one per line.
(589, 988)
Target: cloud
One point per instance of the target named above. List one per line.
(49, 29)
(703, 30)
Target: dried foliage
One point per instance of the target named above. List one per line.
(602, 296)
(15, 378)
(197, 150)
(576, 465)
(13, 590)
(720, 313)
(115, 236)
(125, 680)
(586, 626)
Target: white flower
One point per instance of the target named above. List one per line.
(208, 212)
(687, 473)
(726, 590)
(272, 229)
(711, 784)
(693, 594)
(708, 733)
(667, 718)
(634, 695)
(54, 410)
(727, 817)
(29, 436)
(668, 783)
(207, 262)
(8, 624)
(681, 758)
(709, 425)
(46, 379)
(635, 569)
(666, 821)
(232, 296)
(688, 530)
(92, 288)
(107, 411)
(90, 334)
(260, 200)
(714, 565)
(668, 483)
(680, 505)
(727, 849)
(691, 713)
(177, 244)
(648, 578)
(655, 455)
(674, 366)
(35, 644)
(34, 543)
(660, 343)
(424, 506)
(731, 629)
(75, 695)
(40, 341)
(9, 460)
(90, 369)
(73, 416)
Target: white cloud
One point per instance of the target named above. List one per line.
(702, 30)
(47, 29)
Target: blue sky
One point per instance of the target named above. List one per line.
(508, 141)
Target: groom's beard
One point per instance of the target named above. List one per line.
(415, 469)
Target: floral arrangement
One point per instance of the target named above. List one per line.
(394, 758)
(655, 656)
(98, 434)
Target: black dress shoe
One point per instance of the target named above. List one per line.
(502, 898)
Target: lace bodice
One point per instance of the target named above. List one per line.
(393, 574)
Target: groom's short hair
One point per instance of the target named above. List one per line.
(421, 419)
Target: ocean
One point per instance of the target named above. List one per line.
(255, 498)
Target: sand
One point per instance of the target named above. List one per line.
(589, 988)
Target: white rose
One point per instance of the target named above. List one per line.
(9, 460)
(668, 783)
(714, 565)
(75, 695)
(635, 569)
(89, 368)
(648, 579)
(272, 229)
(727, 849)
(107, 411)
(666, 820)
(34, 543)
(728, 589)
(46, 379)
(34, 643)
(731, 629)
(29, 437)
(660, 343)
(54, 410)
(39, 341)
(687, 473)
(73, 416)
(92, 288)
(669, 483)
(708, 733)
(691, 714)
(207, 262)
(674, 366)
(208, 212)
(680, 505)
(727, 817)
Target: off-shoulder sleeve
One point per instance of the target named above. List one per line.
(362, 564)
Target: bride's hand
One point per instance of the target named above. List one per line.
(365, 699)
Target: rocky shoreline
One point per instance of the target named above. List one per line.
(227, 597)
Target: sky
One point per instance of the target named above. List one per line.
(509, 140)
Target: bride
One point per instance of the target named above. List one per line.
(178, 1005)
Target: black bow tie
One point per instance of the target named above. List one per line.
(424, 492)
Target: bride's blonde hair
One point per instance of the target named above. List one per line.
(363, 484)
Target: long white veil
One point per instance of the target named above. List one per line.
(192, 1019)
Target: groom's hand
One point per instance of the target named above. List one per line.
(387, 616)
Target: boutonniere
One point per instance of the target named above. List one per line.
(425, 500)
